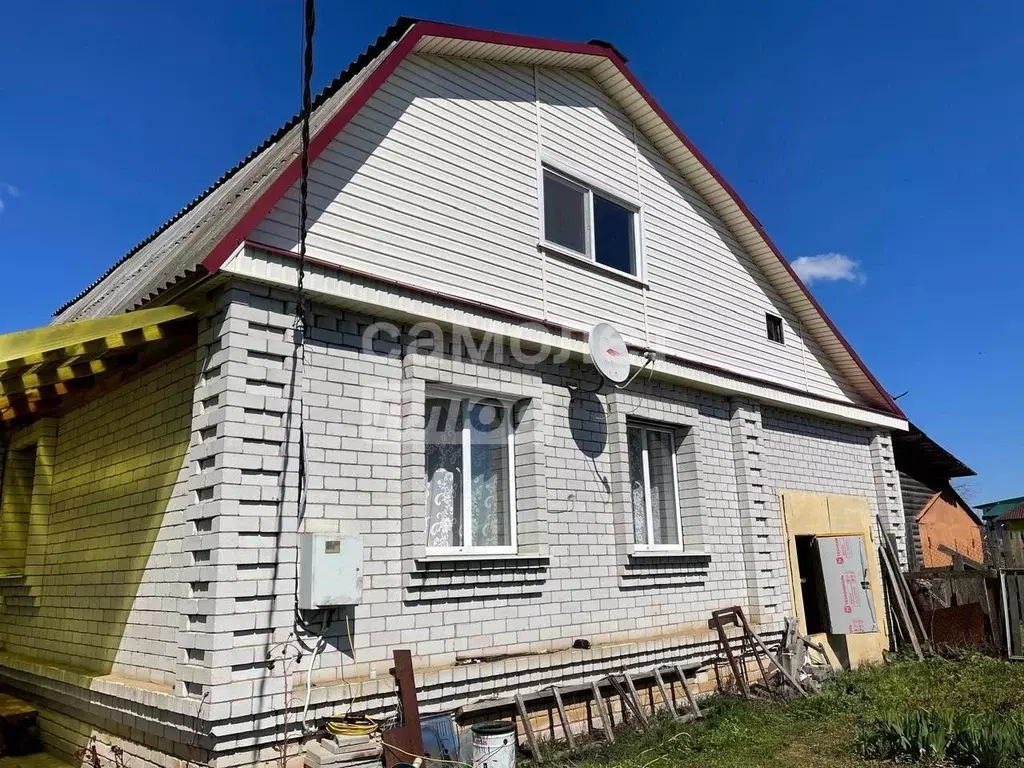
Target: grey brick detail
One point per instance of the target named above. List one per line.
(888, 493)
(760, 519)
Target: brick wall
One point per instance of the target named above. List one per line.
(102, 585)
(19, 471)
(573, 579)
(186, 483)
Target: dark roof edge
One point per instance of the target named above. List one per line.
(915, 449)
(390, 35)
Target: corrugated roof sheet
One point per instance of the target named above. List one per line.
(994, 509)
(197, 226)
(1015, 512)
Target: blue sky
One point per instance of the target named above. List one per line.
(888, 133)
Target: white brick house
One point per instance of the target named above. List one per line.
(478, 202)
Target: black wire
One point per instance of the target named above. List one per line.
(309, 18)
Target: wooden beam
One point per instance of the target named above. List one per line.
(686, 689)
(660, 682)
(531, 737)
(39, 345)
(563, 717)
(904, 614)
(81, 391)
(606, 723)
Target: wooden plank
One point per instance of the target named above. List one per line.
(765, 680)
(636, 700)
(716, 619)
(771, 658)
(540, 694)
(531, 737)
(408, 738)
(66, 340)
(963, 560)
(686, 690)
(627, 701)
(901, 604)
(664, 694)
(1004, 589)
(605, 720)
(560, 706)
(1013, 593)
(888, 550)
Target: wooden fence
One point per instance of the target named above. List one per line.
(1004, 553)
(977, 602)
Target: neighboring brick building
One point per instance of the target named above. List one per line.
(160, 548)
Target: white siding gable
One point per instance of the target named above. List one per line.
(435, 184)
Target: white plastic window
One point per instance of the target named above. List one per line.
(470, 475)
(654, 488)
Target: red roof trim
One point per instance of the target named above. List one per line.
(263, 205)
(317, 143)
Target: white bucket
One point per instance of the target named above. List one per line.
(494, 745)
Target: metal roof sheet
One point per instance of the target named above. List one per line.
(994, 509)
(209, 214)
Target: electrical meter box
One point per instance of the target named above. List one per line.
(330, 570)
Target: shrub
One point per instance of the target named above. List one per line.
(990, 741)
(914, 736)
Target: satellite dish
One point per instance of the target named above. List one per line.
(609, 353)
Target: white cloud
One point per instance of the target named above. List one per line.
(828, 268)
(9, 191)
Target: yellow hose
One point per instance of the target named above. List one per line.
(352, 726)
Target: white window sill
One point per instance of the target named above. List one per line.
(586, 261)
(470, 557)
(669, 552)
(11, 577)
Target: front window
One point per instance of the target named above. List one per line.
(589, 223)
(470, 496)
(654, 488)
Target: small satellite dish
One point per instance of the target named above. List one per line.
(609, 353)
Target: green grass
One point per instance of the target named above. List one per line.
(825, 729)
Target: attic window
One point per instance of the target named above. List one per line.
(774, 326)
(588, 223)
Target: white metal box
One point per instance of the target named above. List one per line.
(330, 570)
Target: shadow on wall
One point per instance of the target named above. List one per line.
(588, 422)
(101, 594)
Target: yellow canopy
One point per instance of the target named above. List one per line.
(38, 367)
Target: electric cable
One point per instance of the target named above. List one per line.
(300, 325)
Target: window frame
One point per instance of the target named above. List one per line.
(466, 398)
(769, 321)
(590, 189)
(649, 507)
